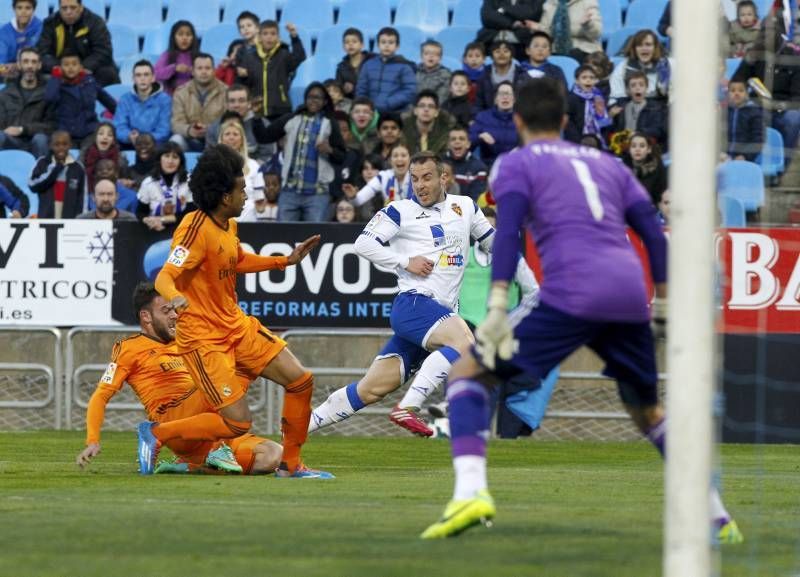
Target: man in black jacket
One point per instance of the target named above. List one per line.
(26, 120)
(511, 20)
(76, 30)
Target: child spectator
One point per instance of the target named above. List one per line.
(345, 211)
(104, 145)
(12, 199)
(643, 53)
(371, 165)
(431, 75)
(22, 32)
(144, 163)
(637, 113)
(268, 70)
(586, 107)
(390, 134)
(493, 131)
(744, 30)
(267, 208)
(457, 104)
(539, 50)
(164, 195)
(388, 80)
(473, 62)
(231, 133)
(427, 128)
(387, 185)
(363, 121)
(248, 24)
(645, 162)
(603, 67)
(468, 171)
(340, 102)
(226, 69)
(448, 172)
(74, 93)
(174, 66)
(107, 169)
(348, 69)
(144, 109)
(59, 180)
(745, 124)
(502, 69)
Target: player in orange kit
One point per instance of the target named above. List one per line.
(149, 362)
(222, 347)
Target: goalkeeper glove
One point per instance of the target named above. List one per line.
(494, 337)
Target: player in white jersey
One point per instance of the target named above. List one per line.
(426, 242)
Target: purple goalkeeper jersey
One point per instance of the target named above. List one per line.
(573, 199)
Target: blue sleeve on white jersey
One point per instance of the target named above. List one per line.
(392, 213)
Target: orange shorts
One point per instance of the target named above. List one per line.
(195, 451)
(223, 373)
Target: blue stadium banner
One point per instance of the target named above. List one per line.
(332, 287)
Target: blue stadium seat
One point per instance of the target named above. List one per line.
(126, 67)
(467, 13)
(216, 40)
(124, 41)
(156, 40)
(454, 38)
(116, 91)
(311, 15)
(452, 64)
(305, 38)
(369, 16)
(141, 15)
(191, 160)
(568, 66)
(203, 14)
(645, 13)
(763, 7)
(97, 6)
(744, 181)
(130, 156)
(429, 16)
(329, 42)
(617, 40)
(264, 9)
(18, 165)
(771, 159)
(411, 38)
(732, 211)
(611, 13)
(731, 66)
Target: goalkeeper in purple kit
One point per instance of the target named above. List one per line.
(577, 203)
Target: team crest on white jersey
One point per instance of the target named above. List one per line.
(457, 209)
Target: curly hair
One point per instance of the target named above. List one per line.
(215, 175)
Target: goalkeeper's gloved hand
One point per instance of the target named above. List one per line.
(659, 322)
(494, 337)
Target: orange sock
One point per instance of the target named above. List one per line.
(294, 420)
(202, 427)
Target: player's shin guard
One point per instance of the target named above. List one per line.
(469, 429)
(202, 427)
(431, 375)
(294, 420)
(340, 405)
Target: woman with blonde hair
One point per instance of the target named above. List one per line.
(232, 134)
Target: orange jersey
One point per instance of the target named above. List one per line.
(153, 369)
(204, 259)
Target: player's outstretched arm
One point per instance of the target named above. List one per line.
(249, 262)
(301, 250)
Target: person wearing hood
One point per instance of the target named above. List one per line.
(388, 80)
(493, 131)
(22, 32)
(313, 146)
(268, 69)
(147, 108)
(76, 29)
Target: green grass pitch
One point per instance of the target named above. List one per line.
(564, 509)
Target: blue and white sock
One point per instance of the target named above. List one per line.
(340, 405)
(469, 430)
(431, 374)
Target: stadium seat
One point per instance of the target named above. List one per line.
(369, 16)
(116, 91)
(203, 14)
(141, 15)
(18, 165)
(568, 66)
(130, 156)
(430, 16)
(411, 38)
(617, 40)
(329, 42)
(156, 40)
(763, 7)
(126, 67)
(313, 16)
(731, 66)
(732, 211)
(454, 38)
(191, 160)
(744, 181)
(452, 64)
(96, 6)
(611, 13)
(771, 159)
(644, 13)
(124, 41)
(264, 9)
(467, 13)
(216, 40)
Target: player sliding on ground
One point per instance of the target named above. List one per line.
(149, 362)
(223, 348)
(426, 242)
(577, 203)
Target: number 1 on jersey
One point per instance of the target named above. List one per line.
(589, 188)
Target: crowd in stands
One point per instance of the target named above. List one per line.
(340, 149)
